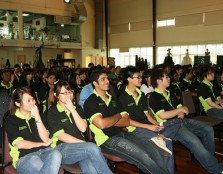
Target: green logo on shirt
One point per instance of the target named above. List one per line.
(64, 120)
(22, 128)
(101, 104)
(131, 104)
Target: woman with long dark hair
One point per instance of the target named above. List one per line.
(28, 138)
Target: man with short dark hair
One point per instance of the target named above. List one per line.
(107, 119)
(6, 84)
(166, 107)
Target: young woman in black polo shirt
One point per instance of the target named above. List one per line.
(28, 138)
(66, 127)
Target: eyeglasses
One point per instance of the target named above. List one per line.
(67, 93)
(139, 77)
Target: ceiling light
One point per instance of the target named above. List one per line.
(67, 1)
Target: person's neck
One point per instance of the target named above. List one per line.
(62, 105)
(25, 113)
(131, 88)
(102, 93)
(161, 89)
(5, 83)
(207, 80)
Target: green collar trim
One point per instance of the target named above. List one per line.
(109, 97)
(61, 109)
(188, 81)
(131, 94)
(21, 116)
(7, 87)
(207, 83)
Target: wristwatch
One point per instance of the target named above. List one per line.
(38, 120)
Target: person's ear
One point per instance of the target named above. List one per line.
(55, 95)
(17, 104)
(95, 83)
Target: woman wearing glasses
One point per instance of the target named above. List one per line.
(66, 127)
(28, 138)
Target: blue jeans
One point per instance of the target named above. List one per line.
(170, 129)
(87, 155)
(215, 112)
(142, 154)
(44, 161)
(203, 148)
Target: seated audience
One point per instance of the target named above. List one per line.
(107, 119)
(166, 108)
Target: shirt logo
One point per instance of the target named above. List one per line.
(114, 104)
(131, 104)
(22, 128)
(101, 104)
(64, 120)
(162, 100)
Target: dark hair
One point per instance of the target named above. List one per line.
(59, 85)
(50, 74)
(17, 66)
(186, 71)
(25, 72)
(73, 81)
(155, 75)
(95, 75)
(17, 96)
(205, 70)
(129, 72)
(145, 75)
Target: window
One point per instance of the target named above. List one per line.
(167, 22)
(124, 59)
(178, 52)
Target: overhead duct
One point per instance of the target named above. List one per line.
(79, 15)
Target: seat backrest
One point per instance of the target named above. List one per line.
(187, 100)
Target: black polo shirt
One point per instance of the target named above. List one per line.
(205, 91)
(19, 127)
(61, 121)
(174, 88)
(95, 106)
(9, 89)
(186, 85)
(159, 103)
(135, 106)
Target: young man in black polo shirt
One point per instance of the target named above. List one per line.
(107, 119)
(142, 124)
(166, 108)
(6, 85)
(208, 94)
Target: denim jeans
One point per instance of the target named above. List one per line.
(87, 155)
(44, 161)
(142, 154)
(170, 129)
(215, 112)
(187, 135)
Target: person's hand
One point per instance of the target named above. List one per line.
(69, 105)
(180, 115)
(155, 128)
(185, 110)
(35, 112)
(48, 142)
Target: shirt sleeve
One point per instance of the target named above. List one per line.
(155, 103)
(91, 107)
(12, 131)
(204, 91)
